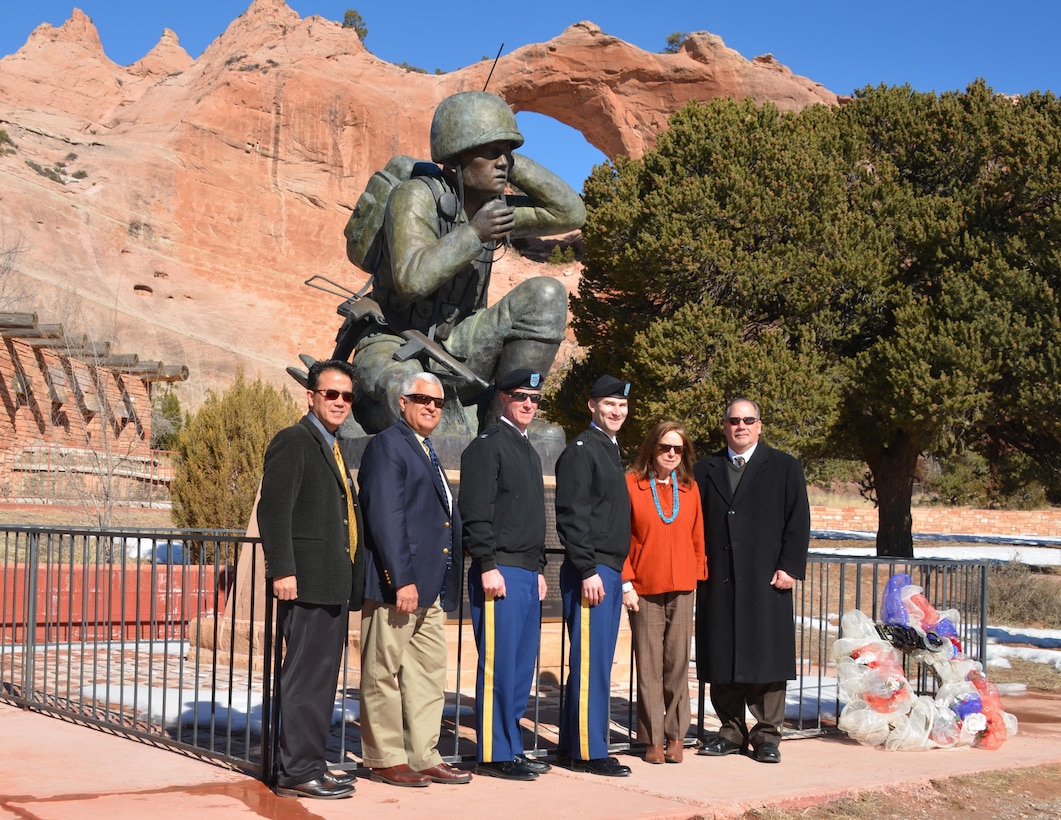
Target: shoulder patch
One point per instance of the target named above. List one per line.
(579, 442)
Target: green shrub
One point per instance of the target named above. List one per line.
(222, 449)
(353, 19)
(166, 419)
(674, 42)
(53, 173)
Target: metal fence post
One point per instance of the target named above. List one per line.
(29, 601)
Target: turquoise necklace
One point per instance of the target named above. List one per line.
(655, 497)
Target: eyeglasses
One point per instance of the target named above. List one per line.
(332, 395)
(520, 397)
(421, 398)
(748, 420)
(678, 449)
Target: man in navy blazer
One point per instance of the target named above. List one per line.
(308, 519)
(412, 529)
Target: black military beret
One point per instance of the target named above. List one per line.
(520, 378)
(609, 386)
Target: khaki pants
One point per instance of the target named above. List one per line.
(403, 682)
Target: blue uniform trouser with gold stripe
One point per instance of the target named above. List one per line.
(506, 635)
(592, 632)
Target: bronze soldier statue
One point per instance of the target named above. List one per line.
(441, 233)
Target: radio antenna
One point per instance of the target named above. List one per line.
(491, 74)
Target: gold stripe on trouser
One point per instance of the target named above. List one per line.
(489, 636)
(583, 681)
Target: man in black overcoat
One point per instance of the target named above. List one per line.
(757, 531)
(309, 523)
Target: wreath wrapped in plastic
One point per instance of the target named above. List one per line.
(881, 708)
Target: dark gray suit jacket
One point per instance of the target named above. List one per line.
(302, 517)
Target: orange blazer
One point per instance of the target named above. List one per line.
(664, 557)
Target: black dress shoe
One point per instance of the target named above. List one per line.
(506, 770)
(719, 747)
(768, 753)
(320, 789)
(341, 779)
(604, 766)
(535, 765)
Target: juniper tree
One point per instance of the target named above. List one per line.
(882, 277)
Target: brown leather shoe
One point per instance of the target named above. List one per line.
(444, 773)
(400, 775)
(654, 754)
(675, 752)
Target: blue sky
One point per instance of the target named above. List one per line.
(934, 45)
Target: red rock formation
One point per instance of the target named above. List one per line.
(214, 187)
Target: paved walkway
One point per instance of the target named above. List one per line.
(55, 770)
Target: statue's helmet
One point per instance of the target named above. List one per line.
(469, 119)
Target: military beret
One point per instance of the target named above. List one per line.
(609, 386)
(520, 378)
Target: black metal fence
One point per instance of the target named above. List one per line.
(153, 634)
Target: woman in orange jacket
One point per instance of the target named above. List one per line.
(666, 560)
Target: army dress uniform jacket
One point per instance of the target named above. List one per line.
(502, 500)
(592, 503)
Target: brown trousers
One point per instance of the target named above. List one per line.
(662, 631)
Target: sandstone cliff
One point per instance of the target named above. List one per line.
(210, 189)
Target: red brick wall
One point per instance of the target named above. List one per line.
(945, 521)
(63, 416)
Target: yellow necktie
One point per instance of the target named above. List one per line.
(350, 517)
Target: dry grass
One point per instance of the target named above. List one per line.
(1040, 677)
(1019, 596)
(1006, 794)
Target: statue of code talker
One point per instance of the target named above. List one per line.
(431, 250)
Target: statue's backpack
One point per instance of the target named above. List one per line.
(364, 229)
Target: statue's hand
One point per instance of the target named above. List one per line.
(494, 220)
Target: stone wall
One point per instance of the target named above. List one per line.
(945, 521)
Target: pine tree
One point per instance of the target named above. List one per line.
(882, 277)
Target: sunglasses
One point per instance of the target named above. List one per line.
(678, 449)
(520, 396)
(332, 395)
(748, 420)
(421, 398)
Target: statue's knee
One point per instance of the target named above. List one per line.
(546, 291)
(544, 299)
